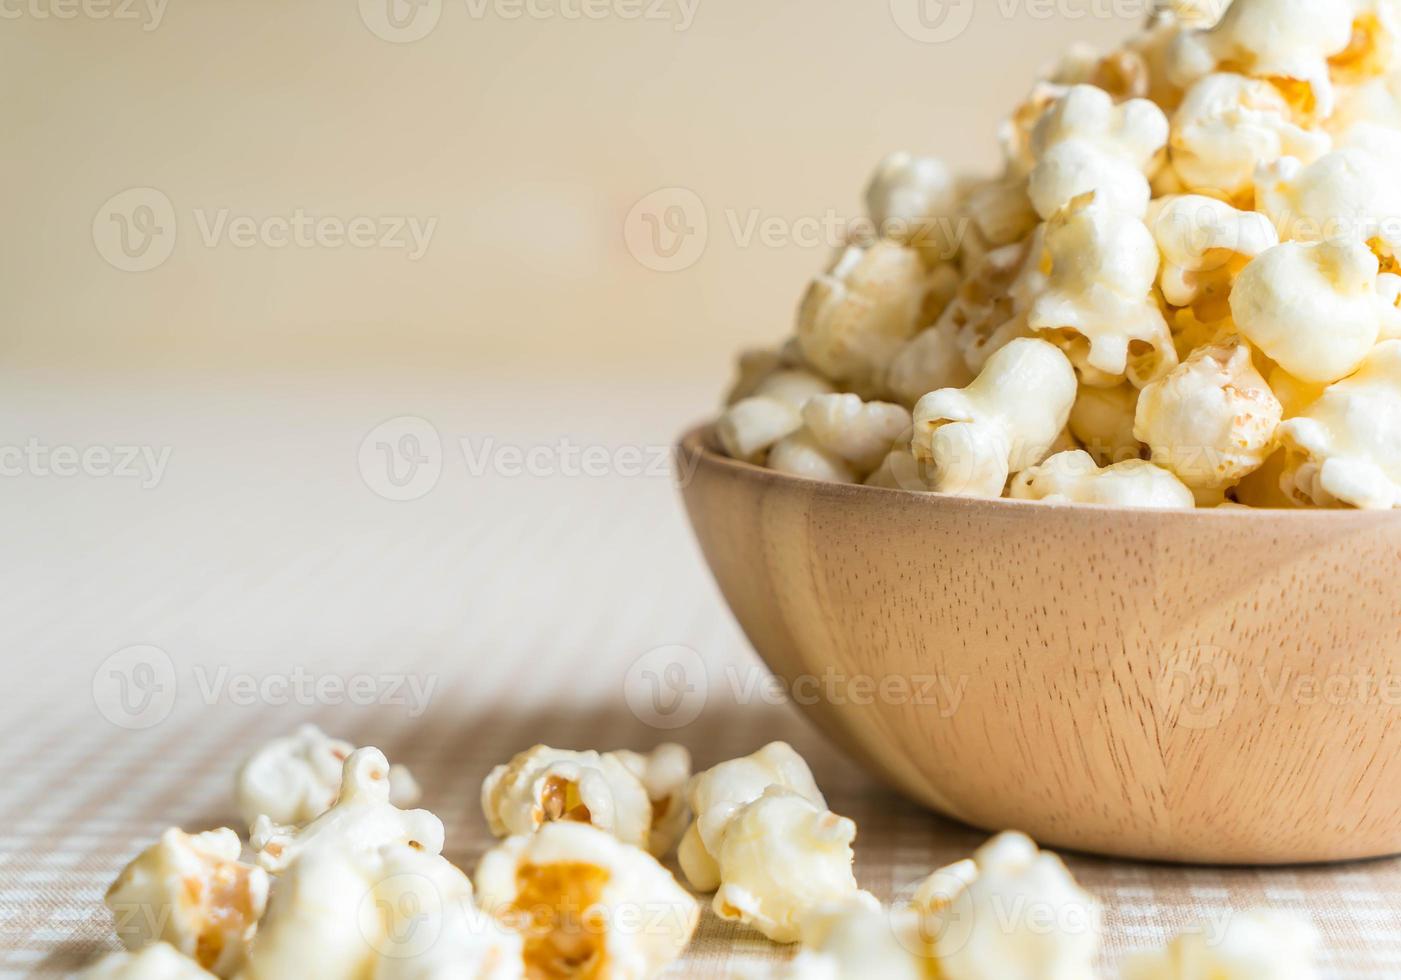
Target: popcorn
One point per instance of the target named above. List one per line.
(1311, 308)
(1102, 421)
(990, 307)
(1345, 449)
(467, 944)
(1056, 934)
(159, 961)
(362, 818)
(914, 201)
(859, 433)
(801, 455)
(1098, 303)
(901, 471)
(1254, 946)
(856, 939)
(192, 892)
(1294, 396)
(634, 797)
(1003, 422)
(1227, 126)
(1084, 142)
(665, 773)
(764, 841)
(587, 904)
(1073, 478)
(1204, 244)
(856, 316)
(1212, 420)
(1289, 40)
(1000, 213)
(295, 779)
(749, 427)
(932, 360)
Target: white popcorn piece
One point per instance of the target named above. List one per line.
(856, 317)
(989, 309)
(1254, 946)
(544, 784)
(1098, 303)
(586, 903)
(1084, 142)
(1313, 309)
(294, 779)
(1345, 449)
(915, 200)
(159, 961)
(765, 842)
(901, 471)
(1204, 244)
(1073, 478)
(779, 857)
(1005, 421)
(1228, 125)
(772, 411)
(1022, 917)
(1211, 421)
(362, 818)
(1287, 40)
(1348, 194)
(802, 455)
(860, 433)
(1102, 421)
(191, 891)
(1000, 213)
(665, 772)
(932, 360)
(856, 939)
(467, 945)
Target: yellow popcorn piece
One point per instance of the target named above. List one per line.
(192, 892)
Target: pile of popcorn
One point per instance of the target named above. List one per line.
(1184, 289)
(344, 883)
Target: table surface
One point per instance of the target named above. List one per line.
(267, 579)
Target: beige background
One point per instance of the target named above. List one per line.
(529, 140)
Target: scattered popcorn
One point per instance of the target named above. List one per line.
(1345, 449)
(977, 936)
(587, 904)
(1288, 40)
(1205, 243)
(1073, 478)
(665, 772)
(1084, 142)
(856, 939)
(1254, 946)
(613, 791)
(1212, 420)
(1102, 421)
(915, 201)
(361, 819)
(860, 433)
(296, 778)
(856, 317)
(765, 842)
(1098, 303)
(1313, 309)
(1005, 421)
(1227, 126)
(191, 891)
(159, 961)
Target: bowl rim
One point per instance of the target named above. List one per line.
(698, 443)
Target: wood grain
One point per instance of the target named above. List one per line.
(1206, 687)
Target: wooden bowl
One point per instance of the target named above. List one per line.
(1215, 686)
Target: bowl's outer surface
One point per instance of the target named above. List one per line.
(1208, 687)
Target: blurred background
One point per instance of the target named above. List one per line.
(516, 136)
